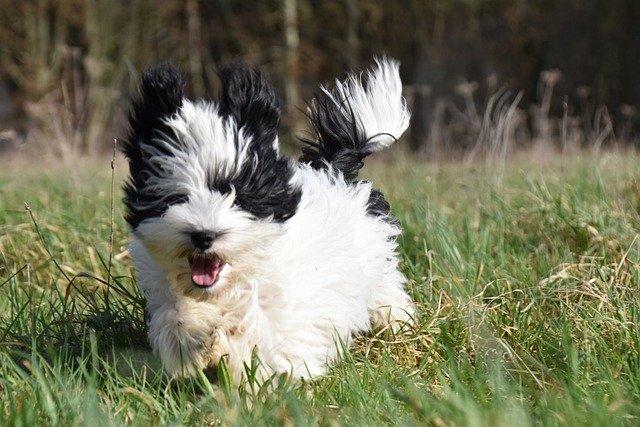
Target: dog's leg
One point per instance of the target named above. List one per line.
(187, 336)
(390, 304)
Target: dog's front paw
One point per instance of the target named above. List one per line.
(215, 346)
(187, 339)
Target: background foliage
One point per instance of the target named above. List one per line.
(67, 67)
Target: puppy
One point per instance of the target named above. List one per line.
(240, 250)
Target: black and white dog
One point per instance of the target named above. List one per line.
(239, 249)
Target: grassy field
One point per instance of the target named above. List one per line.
(527, 284)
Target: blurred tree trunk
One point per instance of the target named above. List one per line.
(292, 71)
(419, 141)
(195, 47)
(353, 22)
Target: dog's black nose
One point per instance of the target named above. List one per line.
(202, 239)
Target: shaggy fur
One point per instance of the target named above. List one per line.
(239, 249)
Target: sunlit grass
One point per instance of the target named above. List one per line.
(527, 286)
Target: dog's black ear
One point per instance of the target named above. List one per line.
(161, 93)
(247, 97)
(264, 183)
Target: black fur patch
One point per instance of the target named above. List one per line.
(161, 93)
(264, 189)
(339, 141)
(263, 185)
(379, 207)
(248, 97)
(218, 182)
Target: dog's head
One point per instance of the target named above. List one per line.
(207, 190)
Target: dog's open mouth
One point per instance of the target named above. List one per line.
(205, 269)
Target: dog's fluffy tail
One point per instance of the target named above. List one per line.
(356, 119)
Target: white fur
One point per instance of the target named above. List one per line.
(295, 291)
(380, 110)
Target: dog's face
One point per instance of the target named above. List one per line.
(207, 192)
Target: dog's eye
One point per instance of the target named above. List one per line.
(221, 187)
(264, 188)
(217, 183)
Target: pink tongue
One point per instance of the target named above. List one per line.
(204, 271)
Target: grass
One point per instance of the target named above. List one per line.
(527, 287)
